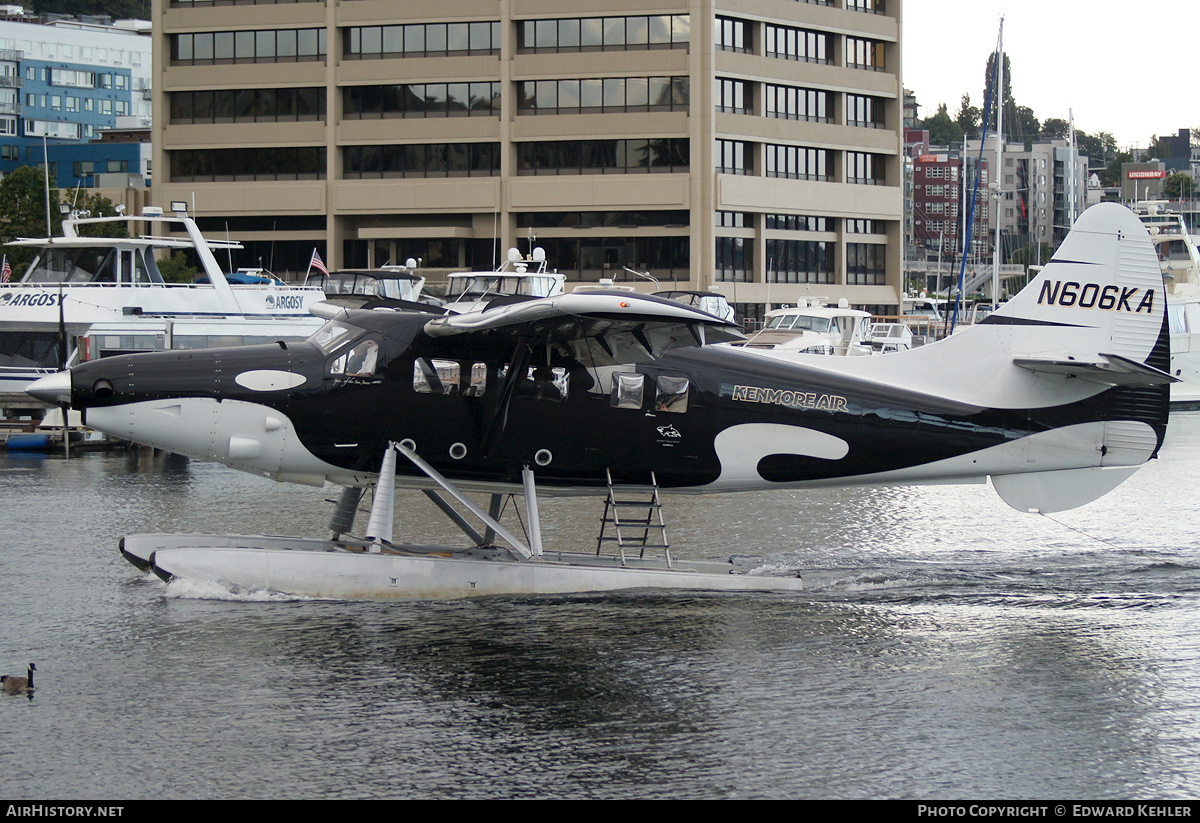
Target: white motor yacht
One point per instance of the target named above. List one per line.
(86, 297)
(813, 328)
(518, 278)
(1180, 261)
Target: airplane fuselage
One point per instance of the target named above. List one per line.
(709, 418)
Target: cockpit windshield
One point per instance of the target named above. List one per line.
(333, 334)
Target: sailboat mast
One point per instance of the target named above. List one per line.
(1072, 173)
(999, 173)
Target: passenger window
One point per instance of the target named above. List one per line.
(627, 391)
(478, 380)
(434, 376)
(672, 394)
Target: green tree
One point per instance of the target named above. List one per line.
(1179, 184)
(1022, 123)
(23, 212)
(1029, 255)
(1110, 175)
(990, 100)
(176, 269)
(1055, 128)
(97, 205)
(968, 117)
(943, 131)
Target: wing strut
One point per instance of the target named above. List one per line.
(519, 549)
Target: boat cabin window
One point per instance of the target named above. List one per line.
(672, 394)
(437, 376)
(480, 286)
(359, 361)
(798, 322)
(333, 334)
(360, 283)
(92, 265)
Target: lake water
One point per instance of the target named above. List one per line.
(945, 647)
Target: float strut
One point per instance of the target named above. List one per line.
(531, 510)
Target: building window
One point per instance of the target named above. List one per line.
(734, 259)
(734, 157)
(732, 34)
(264, 46)
(73, 79)
(862, 53)
(734, 220)
(668, 154)
(868, 6)
(862, 226)
(796, 222)
(600, 219)
(796, 162)
(207, 165)
(421, 100)
(788, 43)
(248, 105)
(864, 110)
(731, 96)
(603, 34)
(590, 257)
(866, 264)
(421, 160)
(610, 94)
(799, 261)
(793, 103)
(864, 168)
(421, 40)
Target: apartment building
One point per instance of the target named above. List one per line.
(751, 146)
(70, 81)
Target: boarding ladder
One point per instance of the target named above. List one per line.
(634, 518)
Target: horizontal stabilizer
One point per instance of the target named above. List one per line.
(1108, 370)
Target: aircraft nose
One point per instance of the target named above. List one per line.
(54, 388)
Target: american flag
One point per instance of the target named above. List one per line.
(317, 264)
(5, 271)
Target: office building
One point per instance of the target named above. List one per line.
(754, 147)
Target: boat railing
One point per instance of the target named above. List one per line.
(922, 326)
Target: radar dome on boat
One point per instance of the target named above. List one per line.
(539, 255)
(410, 263)
(513, 255)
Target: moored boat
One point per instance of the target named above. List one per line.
(1180, 261)
(85, 297)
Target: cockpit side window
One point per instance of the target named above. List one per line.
(359, 361)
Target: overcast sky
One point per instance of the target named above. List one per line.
(1110, 62)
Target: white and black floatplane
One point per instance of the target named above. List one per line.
(1057, 397)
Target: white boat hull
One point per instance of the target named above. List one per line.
(341, 571)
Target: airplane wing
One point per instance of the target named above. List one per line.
(625, 325)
